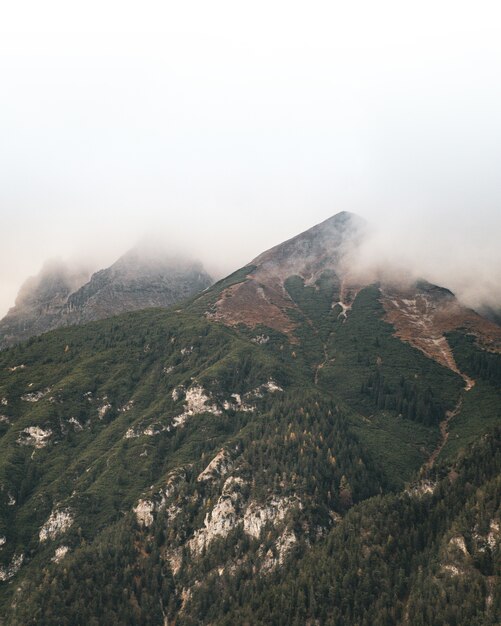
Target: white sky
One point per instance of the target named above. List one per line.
(226, 127)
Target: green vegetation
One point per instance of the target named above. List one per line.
(319, 433)
(392, 560)
(481, 405)
(401, 460)
(369, 367)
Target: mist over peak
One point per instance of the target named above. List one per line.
(143, 277)
(56, 277)
(457, 249)
(443, 252)
(316, 249)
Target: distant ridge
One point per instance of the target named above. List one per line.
(59, 296)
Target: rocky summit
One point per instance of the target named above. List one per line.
(274, 289)
(60, 296)
(299, 443)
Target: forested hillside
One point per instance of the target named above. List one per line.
(175, 467)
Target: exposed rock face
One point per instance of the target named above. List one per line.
(197, 401)
(144, 512)
(9, 571)
(459, 542)
(489, 540)
(422, 488)
(137, 280)
(56, 525)
(35, 436)
(276, 557)
(494, 534)
(75, 423)
(60, 553)
(222, 519)
(231, 510)
(147, 507)
(257, 516)
(60, 297)
(35, 396)
(453, 570)
(103, 409)
(217, 468)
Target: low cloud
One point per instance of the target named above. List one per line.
(453, 250)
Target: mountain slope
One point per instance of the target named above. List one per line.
(138, 280)
(270, 289)
(193, 466)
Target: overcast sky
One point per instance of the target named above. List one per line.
(226, 127)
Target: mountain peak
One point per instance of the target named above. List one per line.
(59, 295)
(320, 247)
(263, 298)
(287, 283)
(343, 217)
(56, 279)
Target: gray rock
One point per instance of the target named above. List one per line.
(59, 296)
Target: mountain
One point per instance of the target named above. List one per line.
(138, 280)
(312, 271)
(41, 302)
(59, 297)
(292, 446)
(492, 313)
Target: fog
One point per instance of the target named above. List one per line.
(456, 250)
(223, 128)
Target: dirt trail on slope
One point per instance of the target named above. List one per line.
(322, 364)
(444, 433)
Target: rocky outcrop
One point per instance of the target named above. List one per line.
(9, 571)
(276, 556)
(147, 507)
(35, 396)
(489, 540)
(459, 543)
(218, 467)
(57, 524)
(104, 408)
(197, 401)
(59, 554)
(231, 511)
(144, 512)
(257, 516)
(422, 488)
(35, 436)
(223, 517)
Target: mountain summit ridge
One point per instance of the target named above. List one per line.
(421, 313)
(139, 279)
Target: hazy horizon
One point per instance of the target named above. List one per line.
(224, 129)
